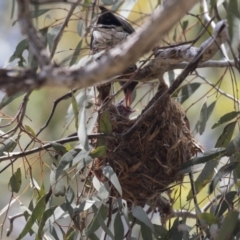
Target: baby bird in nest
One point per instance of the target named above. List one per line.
(108, 32)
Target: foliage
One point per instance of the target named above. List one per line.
(68, 193)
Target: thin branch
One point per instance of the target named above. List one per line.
(49, 145)
(64, 24)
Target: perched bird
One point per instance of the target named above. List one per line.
(108, 32)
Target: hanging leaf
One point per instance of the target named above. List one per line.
(105, 125)
(82, 130)
(226, 135)
(76, 53)
(80, 28)
(233, 146)
(228, 226)
(8, 99)
(142, 216)
(184, 25)
(208, 155)
(111, 175)
(208, 218)
(160, 232)
(15, 181)
(226, 118)
(204, 177)
(118, 227)
(201, 125)
(146, 232)
(174, 233)
(59, 148)
(18, 53)
(75, 110)
(8, 145)
(46, 215)
(109, 2)
(98, 152)
(225, 203)
(36, 215)
(38, 13)
(222, 172)
(65, 160)
(57, 185)
(188, 90)
(104, 191)
(52, 33)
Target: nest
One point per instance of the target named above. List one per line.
(148, 162)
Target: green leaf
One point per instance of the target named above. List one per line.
(202, 122)
(47, 214)
(8, 99)
(69, 195)
(226, 135)
(82, 129)
(225, 203)
(80, 28)
(75, 110)
(233, 8)
(76, 53)
(71, 112)
(228, 226)
(233, 146)
(142, 216)
(98, 152)
(57, 185)
(222, 171)
(51, 36)
(38, 13)
(59, 148)
(8, 145)
(118, 227)
(104, 191)
(30, 130)
(65, 160)
(146, 232)
(174, 234)
(109, 2)
(208, 218)
(226, 118)
(184, 25)
(36, 215)
(188, 90)
(18, 53)
(208, 155)
(15, 181)
(105, 125)
(111, 175)
(98, 220)
(160, 232)
(85, 205)
(204, 177)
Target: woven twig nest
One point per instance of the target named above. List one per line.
(147, 163)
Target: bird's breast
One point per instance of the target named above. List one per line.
(106, 37)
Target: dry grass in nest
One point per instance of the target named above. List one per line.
(147, 163)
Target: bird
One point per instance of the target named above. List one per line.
(108, 32)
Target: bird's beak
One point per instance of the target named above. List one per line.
(128, 98)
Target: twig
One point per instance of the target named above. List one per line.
(48, 145)
(64, 24)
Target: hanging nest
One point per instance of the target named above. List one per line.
(147, 163)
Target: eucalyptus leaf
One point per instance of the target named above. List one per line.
(9, 98)
(76, 53)
(226, 118)
(142, 216)
(15, 181)
(226, 135)
(8, 145)
(36, 215)
(222, 171)
(188, 90)
(118, 227)
(111, 175)
(228, 226)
